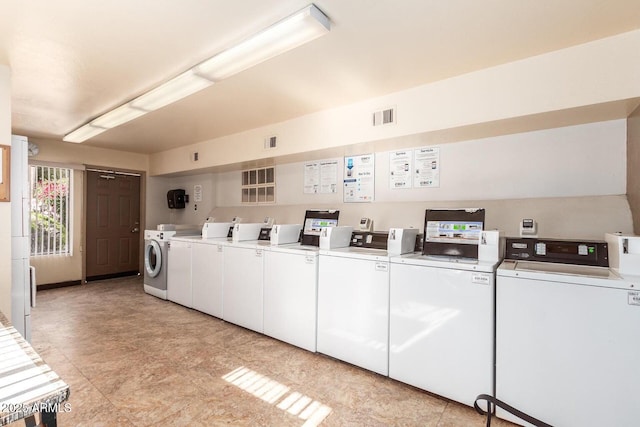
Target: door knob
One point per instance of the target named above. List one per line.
(135, 230)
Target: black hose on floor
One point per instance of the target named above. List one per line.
(492, 401)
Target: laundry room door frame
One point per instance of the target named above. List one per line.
(142, 225)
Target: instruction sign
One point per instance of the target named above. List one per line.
(359, 178)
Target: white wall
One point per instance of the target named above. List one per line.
(156, 202)
(571, 179)
(562, 86)
(5, 208)
(194, 212)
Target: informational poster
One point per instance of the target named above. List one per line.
(359, 178)
(311, 178)
(427, 167)
(329, 176)
(321, 177)
(400, 167)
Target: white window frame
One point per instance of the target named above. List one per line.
(43, 243)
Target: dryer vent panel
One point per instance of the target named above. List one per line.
(384, 117)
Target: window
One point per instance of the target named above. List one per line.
(50, 210)
(258, 186)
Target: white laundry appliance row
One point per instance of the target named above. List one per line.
(550, 331)
(424, 318)
(355, 296)
(261, 278)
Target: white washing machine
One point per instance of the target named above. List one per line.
(155, 262)
(242, 294)
(207, 264)
(290, 294)
(353, 299)
(290, 288)
(441, 333)
(353, 307)
(179, 283)
(441, 327)
(567, 346)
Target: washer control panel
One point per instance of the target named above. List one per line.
(579, 252)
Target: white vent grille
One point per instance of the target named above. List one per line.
(270, 142)
(384, 117)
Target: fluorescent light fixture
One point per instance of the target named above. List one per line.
(298, 29)
(116, 117)
(83, 133)
(175, 89)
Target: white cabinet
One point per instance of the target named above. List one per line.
(207, 268)
(179, 273)
(290, 296)
(353, 310)
(242, 281)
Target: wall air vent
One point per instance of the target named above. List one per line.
(270, 142)
(384, 117)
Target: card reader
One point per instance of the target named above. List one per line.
(528, 228)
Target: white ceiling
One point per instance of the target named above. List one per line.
(73, 60)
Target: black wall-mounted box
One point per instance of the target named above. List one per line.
(176, 199)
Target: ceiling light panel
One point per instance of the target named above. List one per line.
(299, 28)
(117, 117)
(175, 89)
(83, 133)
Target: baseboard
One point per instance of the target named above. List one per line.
(46, 286)
(112, 276)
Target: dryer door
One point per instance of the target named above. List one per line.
(152, 258)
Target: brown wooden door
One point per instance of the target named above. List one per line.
(113, 225)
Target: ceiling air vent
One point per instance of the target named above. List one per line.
(270, 142)
(384, 117)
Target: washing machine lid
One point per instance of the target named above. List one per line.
(357, 253)
(565, 273)
(571, 269)
(296, 248)
(455, 263)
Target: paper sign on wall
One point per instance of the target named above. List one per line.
(197, 193)
(400, 169)
(359, 178)
(329, 176)
(311, 178)
(427, 167)
(321, 177)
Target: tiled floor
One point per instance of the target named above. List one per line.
(134, 360)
